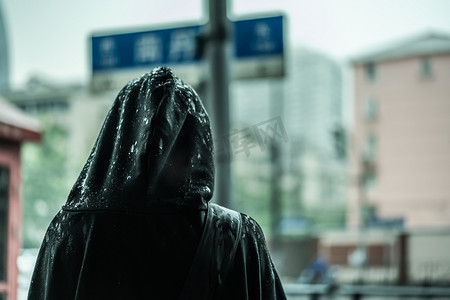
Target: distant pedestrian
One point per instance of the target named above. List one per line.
(138, 223)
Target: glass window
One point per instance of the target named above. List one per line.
(4, 196)
(370, 69)
(370, 148)
(426, 67)
(370, 178)
(370, 108)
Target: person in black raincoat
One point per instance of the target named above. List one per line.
(138, 223)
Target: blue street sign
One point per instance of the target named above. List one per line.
(257, 43)
(145, 48)
(258, 37)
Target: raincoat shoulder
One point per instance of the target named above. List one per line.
(232, 260)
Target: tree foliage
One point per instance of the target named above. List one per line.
(45, 183)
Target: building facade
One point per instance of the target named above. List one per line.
(15, 129)
(400, 144)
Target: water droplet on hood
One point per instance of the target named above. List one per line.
(160, 146)
(133, 147)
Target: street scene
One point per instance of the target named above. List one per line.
(323, 123)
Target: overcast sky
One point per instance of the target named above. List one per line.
(51, 37)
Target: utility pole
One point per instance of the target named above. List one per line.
(276, 151)
(217, 44)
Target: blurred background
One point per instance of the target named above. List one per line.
(331, 122)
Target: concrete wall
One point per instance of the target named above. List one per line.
(429, 256)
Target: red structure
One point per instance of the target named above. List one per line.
(15, 128)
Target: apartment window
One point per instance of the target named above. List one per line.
(370, 148)
(370, 179)
(426, 69)
(4, 199)
(370, 108)
(371, 71)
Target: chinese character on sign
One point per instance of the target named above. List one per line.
(148, 49)
(268, 131)
(264, 41)
(108, 56)
(182, 45)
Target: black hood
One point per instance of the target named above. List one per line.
(155, 146)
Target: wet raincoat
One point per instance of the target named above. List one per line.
(138, 223)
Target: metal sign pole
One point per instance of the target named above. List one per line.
(218, 59)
